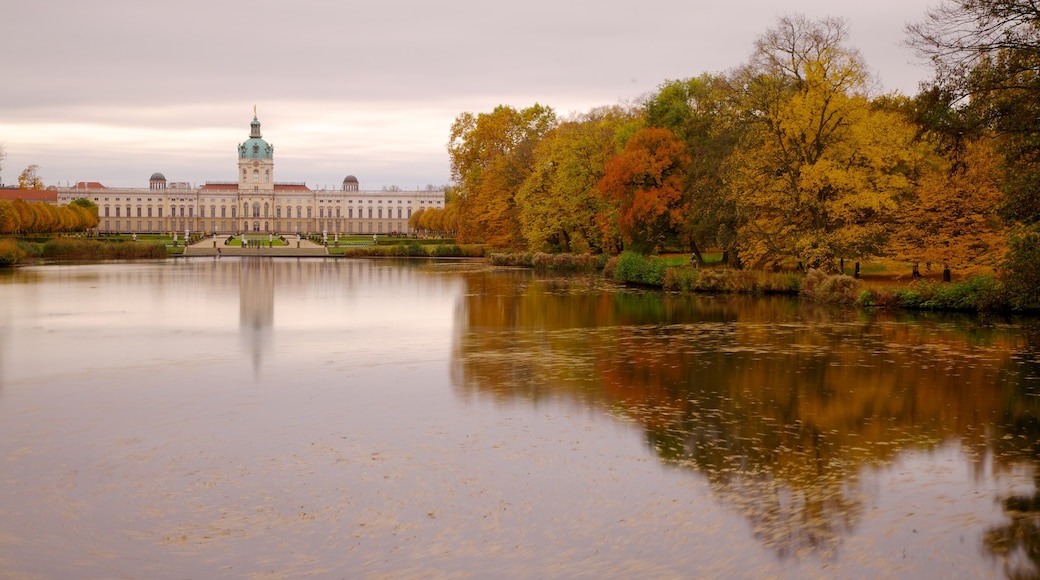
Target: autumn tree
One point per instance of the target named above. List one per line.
(646, 181)
(87, 212)
(10, 221)
(700, 112)
(30, 178)
(491, 155)
(953, 219)
(560, 208)
(819, 173)
(986, 56)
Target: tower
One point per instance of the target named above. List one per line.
(255, 161)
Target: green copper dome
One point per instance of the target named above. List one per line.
(255, 147)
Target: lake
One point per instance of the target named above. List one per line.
(274, 418)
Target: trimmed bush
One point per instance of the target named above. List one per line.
(79, 249)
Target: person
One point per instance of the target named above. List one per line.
(218, 252)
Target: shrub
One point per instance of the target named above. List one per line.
(523, 259)
(411, 249)
(681, 279)
(79, 249)
(633, 268)
(565, 262)
(11, 252)
(839, 289)
(1020, 271)
(980, 293)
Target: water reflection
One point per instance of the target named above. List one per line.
(781, 406)
(256, 306)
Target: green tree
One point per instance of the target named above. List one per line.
(491, 155)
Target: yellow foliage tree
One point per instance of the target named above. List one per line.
(820, 172)
(30, 178)
(559, 203)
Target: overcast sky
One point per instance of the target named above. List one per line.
(114, 90)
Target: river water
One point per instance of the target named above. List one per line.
(276, 418)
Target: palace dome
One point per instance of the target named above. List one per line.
(157, 177)
(350, 179)
(255, 147)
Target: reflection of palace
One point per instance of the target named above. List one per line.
(256, 305)
(255, 202)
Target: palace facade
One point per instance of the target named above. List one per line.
(255, 202)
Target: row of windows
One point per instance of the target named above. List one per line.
(189, 211)
(256, 226)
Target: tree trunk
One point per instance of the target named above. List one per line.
(917, 271)
(947, 277)
(856, 275)
(697, 259)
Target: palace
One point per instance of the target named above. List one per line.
(253, 203)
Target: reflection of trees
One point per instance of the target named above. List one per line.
(1016, 439)
(778, 405)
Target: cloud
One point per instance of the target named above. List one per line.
(117, 89)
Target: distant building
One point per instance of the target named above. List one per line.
(12, 193)
(254, 202)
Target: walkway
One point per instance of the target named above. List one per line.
(209, 247)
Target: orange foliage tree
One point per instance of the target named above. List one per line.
(646, 181)
(953, 218)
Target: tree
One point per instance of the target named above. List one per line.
(819, 172)
(953, 219)
(30, 178)
(559, 205)
(491, 155)
(700, 112)
(986, 55)
(646, 181)
(87, 212)
(10, 220)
